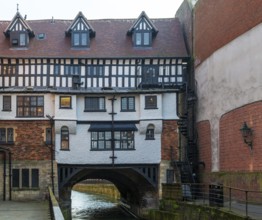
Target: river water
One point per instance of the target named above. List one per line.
(95, 207)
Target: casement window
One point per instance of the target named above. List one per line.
(72, 70)
(48, 136)
(143, 38)
(150, 132)
(8, 70)
(95, 70)
(102, 140)
(65, 102)
(64, 138)
(7, 103)
(127, 104)
(93, 104)
(56, 69)
(80, 39)
(19, 39)
(6, 135)
(30, 106)
(150, 102)
(25, 178)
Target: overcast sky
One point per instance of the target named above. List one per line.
(92, 9)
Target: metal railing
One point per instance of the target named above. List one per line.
(240, 201)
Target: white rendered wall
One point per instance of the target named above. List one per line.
(231, 77)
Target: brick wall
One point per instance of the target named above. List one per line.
(29, 140)
(235, 155)
(169, 138)
(219, 22)
(204, 143)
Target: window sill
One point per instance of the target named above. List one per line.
(7, 143)
(104, 110)
(128, 110)
(149, 139)
(65, 108)
(6, 110)
(151, 108)
(26, 189)
(64, 149)
(133, 149)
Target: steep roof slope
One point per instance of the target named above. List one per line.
(111, 40)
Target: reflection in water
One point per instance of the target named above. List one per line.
(92, 207)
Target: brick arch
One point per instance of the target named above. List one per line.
(235, 155)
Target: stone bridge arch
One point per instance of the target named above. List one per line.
(138, 185)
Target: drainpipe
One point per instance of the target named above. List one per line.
(113, 157)
(10, 176)
(51, 119)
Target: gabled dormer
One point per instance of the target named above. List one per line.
(80, 32)
(142, 31)
(19, 32)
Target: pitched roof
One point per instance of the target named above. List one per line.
(83, 19)
(18, 19)
(110, 41)
(143, 15)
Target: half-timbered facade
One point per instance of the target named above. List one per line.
(100, 92)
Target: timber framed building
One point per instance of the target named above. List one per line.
(78, 94)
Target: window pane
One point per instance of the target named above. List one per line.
(146, 38)
(35, 178)
(76, 39)
(64, 138)
(25, 177)
(15, 178)
(48, 137)
(10, 135)
(6, 103)
(94, 103)
(124, 103)
(84, 39)
(138, 39)
(2, 135)
(22, 39)
(150, 102)
(65, 101)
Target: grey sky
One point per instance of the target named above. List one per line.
(92, 9)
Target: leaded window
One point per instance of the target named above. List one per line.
(150, 102)
(65, 102)
(150, 132)
(80, 39)
(102, 140)
(128, 103)
(64, 138)
(95, 70)
(94, 104)
(30, 106)
(6, 103)
(6, 135)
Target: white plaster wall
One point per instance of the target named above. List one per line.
(65, 114)
(105, 116)
(231, 77)
(146, 151)
(151, 113)
(169, 102)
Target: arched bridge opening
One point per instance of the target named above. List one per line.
(138, 185)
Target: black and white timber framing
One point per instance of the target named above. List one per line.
(113, 73)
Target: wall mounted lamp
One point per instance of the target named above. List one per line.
(247, 134)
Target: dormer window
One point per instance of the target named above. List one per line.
(80, 39)
(142, 38)
(80, 32)
(142, 31)
(18, 39)
(19, 32)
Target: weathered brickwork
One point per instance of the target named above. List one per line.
(219, 22)
(235, 155)
(29, 141)
(204, 145)
(169, 139)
